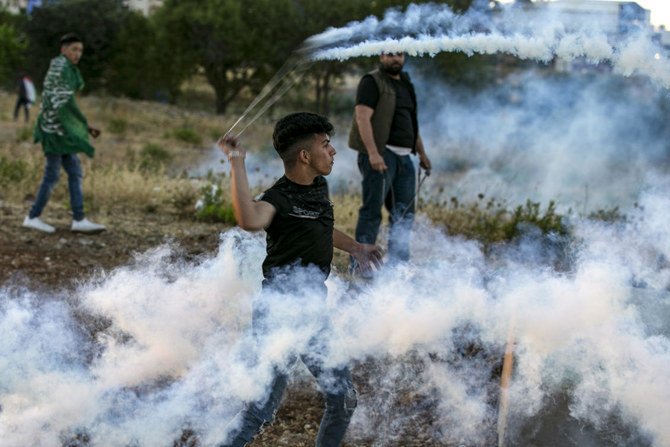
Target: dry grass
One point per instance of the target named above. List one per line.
(146, 147)
(114, 180)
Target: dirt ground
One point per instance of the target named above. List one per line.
(61, 260)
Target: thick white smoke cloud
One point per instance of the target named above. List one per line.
(139, 354)
(585, 141)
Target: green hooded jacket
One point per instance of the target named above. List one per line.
(61, 127)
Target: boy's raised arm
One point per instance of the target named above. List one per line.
(250, 215)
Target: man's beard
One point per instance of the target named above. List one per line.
(392, 70)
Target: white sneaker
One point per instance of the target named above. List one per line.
(36, 224)
(86, 226)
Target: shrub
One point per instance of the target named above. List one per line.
(212, 207)
(215, 133)
(187, 135)
(153, 158)
(117, 126)
(491, 222)
(611, 215)
(183, 200)
(12, 49)
(530, 213)
(12, 171)
(24, 134)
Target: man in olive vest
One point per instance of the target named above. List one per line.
(385, 132)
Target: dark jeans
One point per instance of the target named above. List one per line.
(336, 385)
(72, 166)
(394, 189)
(26, 109)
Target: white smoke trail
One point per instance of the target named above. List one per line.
(528, 35)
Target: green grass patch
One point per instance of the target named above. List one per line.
(187, 135)
(24, 134)
(12, 171)
(153, 158)
(609, 215)
(117, 126)
(491, 222)
(212, 207)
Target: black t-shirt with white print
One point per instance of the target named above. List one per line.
(301, 232)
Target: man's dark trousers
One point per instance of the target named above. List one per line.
(396, 188)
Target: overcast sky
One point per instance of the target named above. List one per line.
(660, 10)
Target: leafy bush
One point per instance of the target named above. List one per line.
(608, 215)
(215, 133)
(24, 134)
(491, 222)
(117, 126)
(183, 200)
(154, 157)
(187, 135)
(11, 53)
(212, 207)
(530, 213)
(98, 26)
(12, 171)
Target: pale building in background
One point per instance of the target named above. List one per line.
(146, 7)
(612, 17)
(14, 6)
(617, 19)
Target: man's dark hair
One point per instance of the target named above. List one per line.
(69, 38)
(296, 128)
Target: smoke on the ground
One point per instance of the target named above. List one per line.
(134, 356)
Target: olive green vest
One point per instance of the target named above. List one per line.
(382, 118)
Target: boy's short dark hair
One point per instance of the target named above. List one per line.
(69, 38)
(297, 127)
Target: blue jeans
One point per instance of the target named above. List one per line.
(394, 189)
(72, 166)
(336, 385)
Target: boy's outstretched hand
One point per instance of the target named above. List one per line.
(368, 256)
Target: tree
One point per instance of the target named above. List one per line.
(98, 26)
(315, 17)
(239, 45)
(11, 54)
(138, 67)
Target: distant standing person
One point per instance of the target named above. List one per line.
(385, 131)
(26, 97)
(63, 131)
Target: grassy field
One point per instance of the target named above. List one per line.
(147, 149)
